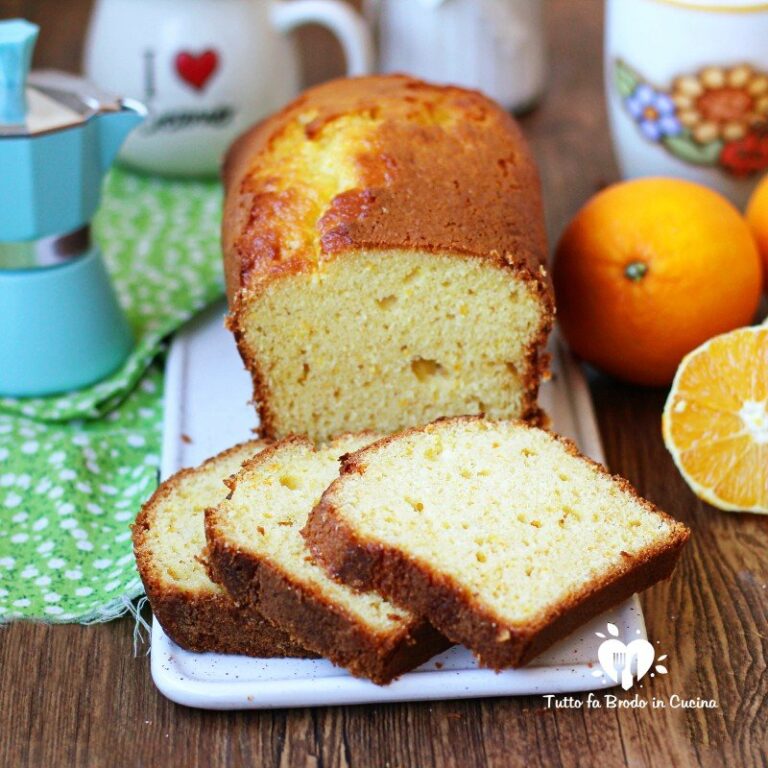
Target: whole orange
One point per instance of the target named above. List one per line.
(649, 269)
(757, 216)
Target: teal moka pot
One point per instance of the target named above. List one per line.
(61, 326)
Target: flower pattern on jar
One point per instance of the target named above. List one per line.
(717, 116)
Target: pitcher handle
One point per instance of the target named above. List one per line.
(343, 21)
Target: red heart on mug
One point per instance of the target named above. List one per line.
(196, 69)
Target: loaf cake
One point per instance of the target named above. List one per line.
(501, 534)
(169, 539)
(384, 251)
(257, 552)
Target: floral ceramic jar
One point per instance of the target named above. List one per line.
(687, 90)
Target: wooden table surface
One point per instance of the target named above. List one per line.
(76, 696)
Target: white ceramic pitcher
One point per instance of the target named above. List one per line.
(496, 46)
(207, 69)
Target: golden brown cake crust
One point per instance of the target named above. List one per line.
(368, 565)
(463, 183)
(443, 170)
(325, 628)
(215, 623)
(202, 621)
(307, 615)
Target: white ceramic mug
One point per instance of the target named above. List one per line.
(496, 46)
(206, 69)
(687, 90)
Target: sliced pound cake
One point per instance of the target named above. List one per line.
(168, 541)
(501, 534)
(257, 552)
(385, 253)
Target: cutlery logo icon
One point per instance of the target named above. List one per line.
(626, 663)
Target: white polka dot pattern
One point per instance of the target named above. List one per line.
(75, 468)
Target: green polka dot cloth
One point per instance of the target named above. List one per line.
(75, 468)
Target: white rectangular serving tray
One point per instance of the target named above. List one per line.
(207, 409)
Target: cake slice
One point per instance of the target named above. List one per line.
(257, 552)
(168, 541)
(502, 535)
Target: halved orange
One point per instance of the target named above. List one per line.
(715, 421)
